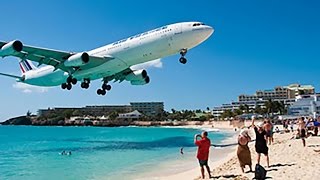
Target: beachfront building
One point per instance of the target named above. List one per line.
(218, 111)
(279, 93)
(131, 115)
(148, 108)
(305, 105)
(87, 110)
(284, 94)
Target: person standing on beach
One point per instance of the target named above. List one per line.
(268, 127)
(203, 151)
(302, 130)
(261, 141)
(243, 151)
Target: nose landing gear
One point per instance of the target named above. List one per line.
(182, 59)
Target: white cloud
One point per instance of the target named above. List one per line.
(26, 88)
(155, 63)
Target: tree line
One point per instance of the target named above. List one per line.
(269, 108)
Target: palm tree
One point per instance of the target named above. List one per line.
(242, 107)
(29, 113)
(247, 109)
(269, 106)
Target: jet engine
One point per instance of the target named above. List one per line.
(140, 82)
(11, 48)
(76, 60)
(138, 77)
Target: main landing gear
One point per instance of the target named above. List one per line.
(182, 59)
(70, 81)
(104, 88)
(85, 84)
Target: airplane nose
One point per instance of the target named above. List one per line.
(209, 30)
(206, 32)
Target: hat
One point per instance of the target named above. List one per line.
(260, 124)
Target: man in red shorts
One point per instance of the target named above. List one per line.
(203, 151)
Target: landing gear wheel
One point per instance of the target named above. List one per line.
(69, 86)
(63, 85)
(74, 81)
(84, 85)
(103, 92)
(183, 60)
(99, 91)
(104, 86)
(108, 87)
(69, 79)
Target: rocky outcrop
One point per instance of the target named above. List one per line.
(21, 120)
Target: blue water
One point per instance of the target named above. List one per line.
(29, 152)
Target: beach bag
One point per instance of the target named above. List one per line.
(260, 172)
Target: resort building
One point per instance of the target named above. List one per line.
(305, 105)
(131, 115)
(285, 94)
(279, 93)
(146, 108)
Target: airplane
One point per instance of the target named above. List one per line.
(111, 62)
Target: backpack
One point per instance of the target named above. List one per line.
(260, 172)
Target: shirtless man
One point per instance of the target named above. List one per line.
(302, 130)
(268, 127)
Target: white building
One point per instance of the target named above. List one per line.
(305, 105)
(131, 115)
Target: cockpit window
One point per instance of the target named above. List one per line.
(198, 24)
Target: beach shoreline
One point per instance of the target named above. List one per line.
(174, 170)
(288, 160)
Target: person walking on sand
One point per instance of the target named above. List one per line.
(302, 130)
(261, 141)
(243, 151)
(203, 151)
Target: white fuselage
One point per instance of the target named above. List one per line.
(144, 47)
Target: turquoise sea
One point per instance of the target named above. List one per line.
(32, 153)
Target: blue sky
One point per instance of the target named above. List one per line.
(257, 44)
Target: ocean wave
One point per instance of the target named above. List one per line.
(210, 129)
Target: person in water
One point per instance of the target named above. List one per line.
(261, 141)
(243, 151)
(203, 151)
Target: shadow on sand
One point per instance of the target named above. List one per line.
(281, 165)
(314, 145)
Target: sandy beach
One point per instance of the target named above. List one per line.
(288, 160)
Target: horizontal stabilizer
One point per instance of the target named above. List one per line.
(12, 76)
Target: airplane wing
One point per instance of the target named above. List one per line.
(56, 58)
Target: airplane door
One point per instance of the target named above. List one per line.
(177, 30)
